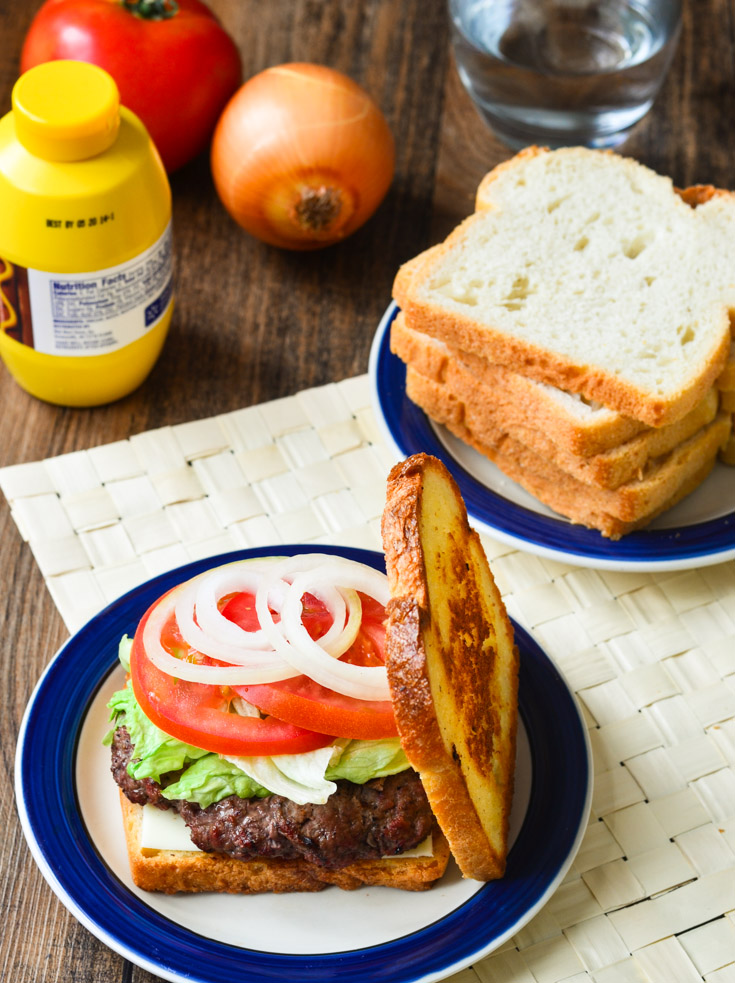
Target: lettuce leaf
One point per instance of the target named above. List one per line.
(157, 751)
(361, 761)
(212, 778)
(123, 652)
(207, 777)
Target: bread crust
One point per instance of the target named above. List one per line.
(519, 408)
(726, 378)
(173, 871)
(613, 512)
(452, 663)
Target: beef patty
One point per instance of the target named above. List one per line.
(382, 818)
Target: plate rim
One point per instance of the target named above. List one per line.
(137, 955)
(380, 355)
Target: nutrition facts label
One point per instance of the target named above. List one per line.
(94, 313)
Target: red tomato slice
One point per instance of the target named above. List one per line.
(305, 703)
(196, 712)
(240, 608)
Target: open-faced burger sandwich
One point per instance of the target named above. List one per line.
(312, 721)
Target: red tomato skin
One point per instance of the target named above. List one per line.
(301, 699)
(190, 712)
(305, 703)
(176, 74)
(240, 608)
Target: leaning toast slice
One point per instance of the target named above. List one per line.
(452, 663)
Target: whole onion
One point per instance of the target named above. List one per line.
(302, 156)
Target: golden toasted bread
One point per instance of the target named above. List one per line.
(170, 871)
(452, 663)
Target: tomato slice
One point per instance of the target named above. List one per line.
(197, 712)
(240, 608)
(305, 703)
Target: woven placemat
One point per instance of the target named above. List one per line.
(650, 897)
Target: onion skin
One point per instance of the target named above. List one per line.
(302, 156)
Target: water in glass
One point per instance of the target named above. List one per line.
(564, 72)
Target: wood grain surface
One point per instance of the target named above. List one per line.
(253, 323)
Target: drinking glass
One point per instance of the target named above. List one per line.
(564, 72)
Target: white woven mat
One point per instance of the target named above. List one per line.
(650, 897)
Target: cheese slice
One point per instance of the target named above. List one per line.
(164, 829)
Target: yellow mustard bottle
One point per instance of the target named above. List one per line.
(85, 239)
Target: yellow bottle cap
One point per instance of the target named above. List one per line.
(66, 110)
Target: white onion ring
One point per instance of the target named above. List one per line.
(361, 682)
(203, 642)
(212, 589)
(268, 668)
(206, 629)
(285, 649)
(292, 623)
(342, 642)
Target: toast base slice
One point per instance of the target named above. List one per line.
(452, 663)
(173, 871)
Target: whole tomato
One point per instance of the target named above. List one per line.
(174, 64)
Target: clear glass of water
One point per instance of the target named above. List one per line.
(564, 72)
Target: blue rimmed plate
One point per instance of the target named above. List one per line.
(697, 532)
(69, 812)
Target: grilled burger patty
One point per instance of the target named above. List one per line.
(382, 818)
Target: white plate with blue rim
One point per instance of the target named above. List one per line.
(69, 811)
(697, 532)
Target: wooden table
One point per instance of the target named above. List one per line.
(253, 323)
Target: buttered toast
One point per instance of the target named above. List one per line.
(452, 663)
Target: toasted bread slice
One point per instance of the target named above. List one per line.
(170, 871)
(452, 663)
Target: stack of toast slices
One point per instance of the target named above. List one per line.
(577, 330)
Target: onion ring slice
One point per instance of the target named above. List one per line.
(297, 648)
(266, 666)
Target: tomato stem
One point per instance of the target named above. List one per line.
(152, 9)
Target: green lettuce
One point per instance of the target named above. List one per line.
(206, 777)
(157, 751)
(212, 778)
(361, 761)
(123, 651)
